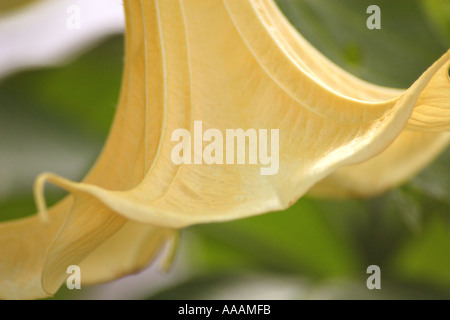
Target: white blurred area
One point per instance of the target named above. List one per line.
(254, 286)
(49, 32)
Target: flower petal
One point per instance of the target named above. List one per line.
(258, 74)
(120, 167)
(81, 230)
(252, 76)
(88, 225)
(411, 152)
(432, 112)
(23, 247)
(129, 251)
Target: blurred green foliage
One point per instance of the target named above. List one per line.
(6, 5)
(323, 247)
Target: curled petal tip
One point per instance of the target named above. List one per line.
(39, 192)
(171, 250)
(39, 197)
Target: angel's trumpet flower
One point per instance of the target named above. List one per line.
(229, 64)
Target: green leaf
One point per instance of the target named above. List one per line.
(395, 55)
(426, 259)
(434, 181)
(408, 208)
(438, 12)
(56, 120)
(299, 239)
(82, 94)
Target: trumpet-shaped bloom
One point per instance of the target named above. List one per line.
(229, 64)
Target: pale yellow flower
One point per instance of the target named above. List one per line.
(230, 64)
